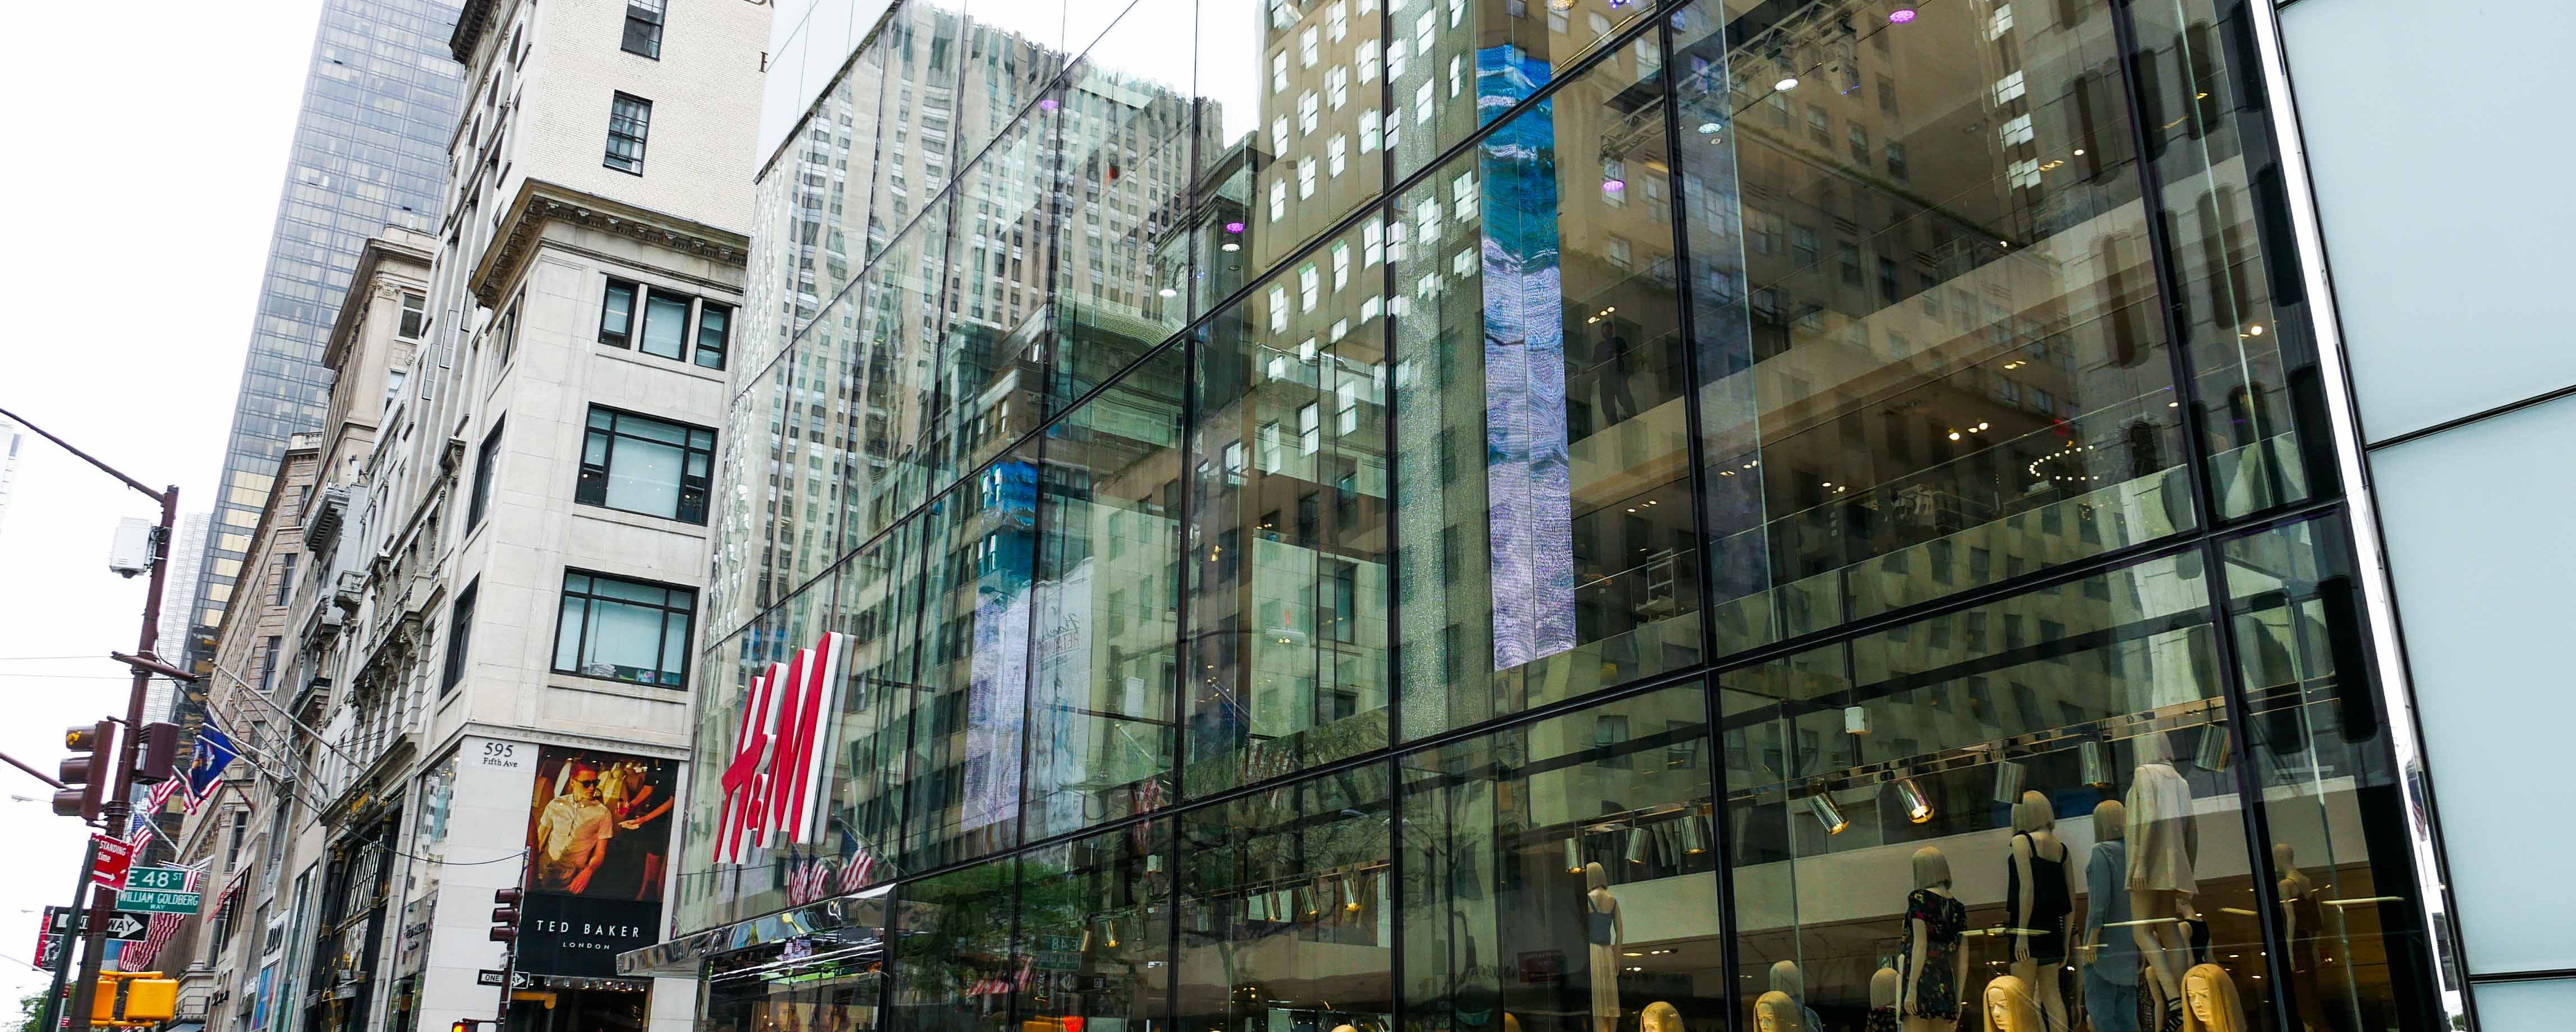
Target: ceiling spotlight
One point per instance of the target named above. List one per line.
(2079, 152)
(1169, 292)
(1613, 185)
(1918, 806)
(1786, 83)
(2255, 330)
(1900, 16)
(1049, 103)
(1822, 805)
(1234, 227)
(1709, 128)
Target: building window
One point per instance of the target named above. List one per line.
(484, 457)
(638, 464)
(666, 331)
(713, 322)
(268, 663)
(617, 315)
(460, 635)
(644, 28)
(628, 120)
(286, 576)
(624, 630)
(671, 321)
(415, 316)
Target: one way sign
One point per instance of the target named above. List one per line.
(127, 927)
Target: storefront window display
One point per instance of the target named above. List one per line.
(1466, 516)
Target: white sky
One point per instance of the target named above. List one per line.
(146, 154)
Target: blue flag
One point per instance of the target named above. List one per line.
(214, 752)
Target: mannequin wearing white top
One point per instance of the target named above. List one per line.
(2163, 840)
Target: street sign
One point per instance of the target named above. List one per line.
(59, 920)
(148, 902)
(490, 976)
(114, 856)
(126, 927)
(167, 879)
(48, 950)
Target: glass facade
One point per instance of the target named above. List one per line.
(1481, 515)
(380, 103)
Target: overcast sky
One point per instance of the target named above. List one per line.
(148, 150)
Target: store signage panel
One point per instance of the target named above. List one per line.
(772, 789)
(602, 841)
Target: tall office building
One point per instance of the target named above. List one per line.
(380, 102)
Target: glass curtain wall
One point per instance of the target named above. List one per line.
(1586, 515)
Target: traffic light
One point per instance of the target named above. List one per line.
(85, 771)
(470, 1024)
(505, 915)
(149, 999)
(157, 760)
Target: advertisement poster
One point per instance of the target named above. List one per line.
(599, 824)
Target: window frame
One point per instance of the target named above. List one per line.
(460, 637)
(659, 12)
(583, 492)
(694, 349)
(641, 119)
(478, 501)
(589, 596)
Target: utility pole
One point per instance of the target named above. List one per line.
(119, 805)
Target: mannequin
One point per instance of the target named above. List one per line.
(2303, 925)
(1776, 1012)
(2039, 895)
(1605, 931)
(1885, 988)
(1657, 1017)
(2162, 841)
(1785, 977)
(2110, 952)
(2008, 1006)
(2210, 1003)
(1929, 957)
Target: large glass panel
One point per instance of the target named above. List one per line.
(1291, 126)
(2200, 102)
(1122, 176)
(1456, 65)
(878, 605)
(971, 707)
(920, 109)
(992, 360)
(1561, 873)
(1095, 931)
(2346, 900)
(1105, 660)
(1287, 909)
(1288, 631)
(1546, 545)
(955, 958)
(896, 343)
(757, 880)
(1925, 306)
(2028, 804)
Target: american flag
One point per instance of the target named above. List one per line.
(138, 830)
(137, 956)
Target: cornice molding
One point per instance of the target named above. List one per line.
(471, 24)
(540, 202)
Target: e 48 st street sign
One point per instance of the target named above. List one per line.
(158, 879)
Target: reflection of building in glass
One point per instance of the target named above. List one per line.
(1541, 515)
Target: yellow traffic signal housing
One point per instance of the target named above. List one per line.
(149, 999)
